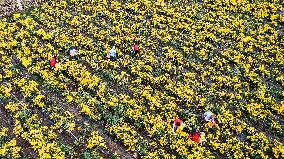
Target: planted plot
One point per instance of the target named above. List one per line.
(143, 79)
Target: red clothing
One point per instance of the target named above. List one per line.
(195, 136)
(52, 62)
(135, 47)
(177, 121)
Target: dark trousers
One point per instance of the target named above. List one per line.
(134, 53)
(112, 58)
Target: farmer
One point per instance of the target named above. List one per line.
(197, 136)
(178, 124)
(135, 50)
(208, 116)
(73, 52)
(112, 54)
(52, 62)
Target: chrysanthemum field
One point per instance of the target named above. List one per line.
(222, 56)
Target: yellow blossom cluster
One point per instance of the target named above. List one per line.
(223, 56)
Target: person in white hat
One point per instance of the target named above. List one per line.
(73, 52)
(112, 54)
(208, 116)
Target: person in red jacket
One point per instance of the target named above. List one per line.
(177, 122)
(197, 136)
(52, 62)
(135, 50)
